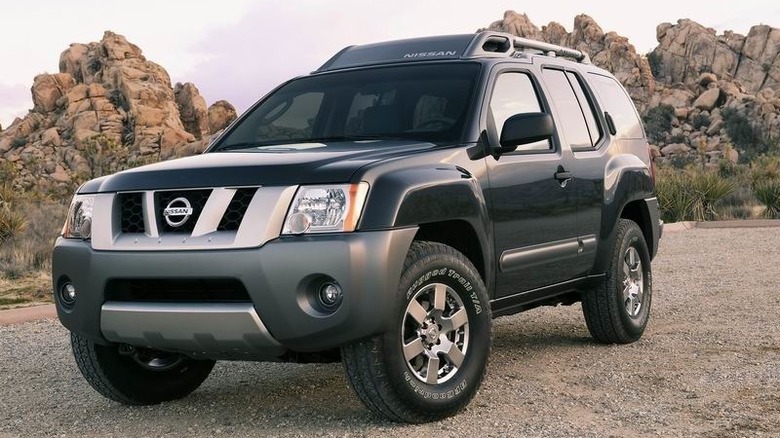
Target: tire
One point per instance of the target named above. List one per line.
(617, 310)
(440, 321)
(138, 377)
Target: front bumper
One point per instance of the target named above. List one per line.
(278, 277)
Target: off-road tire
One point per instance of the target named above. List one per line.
(120, 378)
(377, 368)
(605, 306)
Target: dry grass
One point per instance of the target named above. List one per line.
(25, 257)
(31, 289)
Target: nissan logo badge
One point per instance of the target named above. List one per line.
(177, 212)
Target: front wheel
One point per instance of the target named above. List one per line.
(138, 376)
(431, 361)
(618, 308)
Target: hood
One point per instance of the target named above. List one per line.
(307, 163)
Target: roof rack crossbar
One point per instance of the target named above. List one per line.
(524, 43)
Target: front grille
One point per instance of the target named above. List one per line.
(132, 212)
(197, 200)
(237, 209)
(176, 290)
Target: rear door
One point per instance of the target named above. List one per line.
(584, 134)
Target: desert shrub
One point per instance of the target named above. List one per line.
(674, 199)
(708, 189)
(104, 155)
(700, 120)
(764, 168)
(655, 64)
(30, 251)
(691, 194)
(747, 138)
(18, 142)
(658, 122)
(678, 138)
(12, 222)
(117, 98)
(768, 193)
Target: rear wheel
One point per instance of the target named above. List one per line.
(138, 376)
(431, 361)
(617, 310)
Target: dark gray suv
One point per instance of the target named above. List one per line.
(380, 211)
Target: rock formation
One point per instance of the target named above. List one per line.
(609, 50)
(106, 93)
(688, 49)
(108, 96)
(707, 82)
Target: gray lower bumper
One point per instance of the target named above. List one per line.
(218, 330)
(277, 276)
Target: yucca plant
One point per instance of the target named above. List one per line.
(674, 198)
(707, 189)
(692, 194)
(12, 222)
(768, 193)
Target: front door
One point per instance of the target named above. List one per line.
(534, 213)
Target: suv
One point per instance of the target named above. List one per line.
(380, 211)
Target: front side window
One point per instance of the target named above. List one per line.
(514, 93)
(419, 102)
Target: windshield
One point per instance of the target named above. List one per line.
(421, 102)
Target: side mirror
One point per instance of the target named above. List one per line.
(525, 128)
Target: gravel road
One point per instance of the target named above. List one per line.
(709, 366)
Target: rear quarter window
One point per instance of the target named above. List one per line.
(618, 104)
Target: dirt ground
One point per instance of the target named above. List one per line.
(708, 366)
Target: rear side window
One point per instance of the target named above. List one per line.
(571, 117)
(619, 106)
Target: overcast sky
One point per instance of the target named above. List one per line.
(240, 49)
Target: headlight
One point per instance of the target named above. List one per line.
(326, 208)
(78, 225)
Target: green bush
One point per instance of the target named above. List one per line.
(658, 122)
(747, 138)
(655, 64)
(700, 120)
(18, 142)
(764, 168)
(691, 194)
(768, 193)
(12, 222)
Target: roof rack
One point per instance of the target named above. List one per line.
(485, 44)
(500, 44)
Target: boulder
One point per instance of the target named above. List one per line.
(47, 89)
(708, 100)
(675, 149)
(192, 109)
(220, 114)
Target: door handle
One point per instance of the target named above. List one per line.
(563, 176)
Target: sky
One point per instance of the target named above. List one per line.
(239, 50)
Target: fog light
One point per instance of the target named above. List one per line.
(68, 294)
(330, 295)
